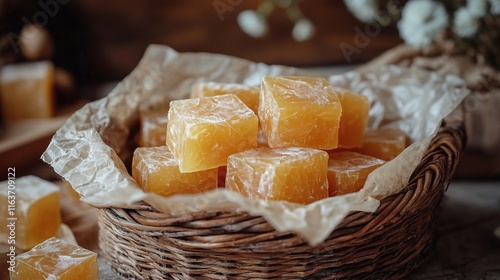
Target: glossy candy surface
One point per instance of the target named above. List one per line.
(299, 112)
(347, 171)
(383, 143)
(156, 170)
(291, 174)
(36, 205)
(355, 109)
(153, 126)
(56, 259)
(249, 95)
(203, 132)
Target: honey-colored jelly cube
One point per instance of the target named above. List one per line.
(355, 109)
(156, 170)
(153, 126)
(56, 259)
(27, 91)
(249, 95)
(347, 171)
(291, 174)
(203, 132)
(30, 206)
(383, 143)
(297, 111)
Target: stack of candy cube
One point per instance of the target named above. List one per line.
(295, 139)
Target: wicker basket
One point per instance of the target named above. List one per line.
(142, 243)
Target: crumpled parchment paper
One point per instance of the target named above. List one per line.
(90, 148)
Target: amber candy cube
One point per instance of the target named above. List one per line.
(26, 90)
(299, 111)
(249, 95)
(203, 132)
(153, 125)
(347, 171)
(290, 174)
(355, 110)
(36, 209)
(58, 260)
(156, 170)
(383, 143)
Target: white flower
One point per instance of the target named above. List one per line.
(253, 23)
(302, 30)
(364, 10)
(464, 23)
(477, 8)
(421, 21)
(495, 7)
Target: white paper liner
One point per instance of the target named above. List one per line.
(88, 149)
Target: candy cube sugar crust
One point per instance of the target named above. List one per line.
(291, 174)
(203, 132)
(299, 112)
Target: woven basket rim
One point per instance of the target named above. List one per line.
(141, 242)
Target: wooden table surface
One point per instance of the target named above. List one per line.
(466, 245)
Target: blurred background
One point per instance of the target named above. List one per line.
(103, 41)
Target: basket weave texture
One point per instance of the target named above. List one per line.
(141, 243)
